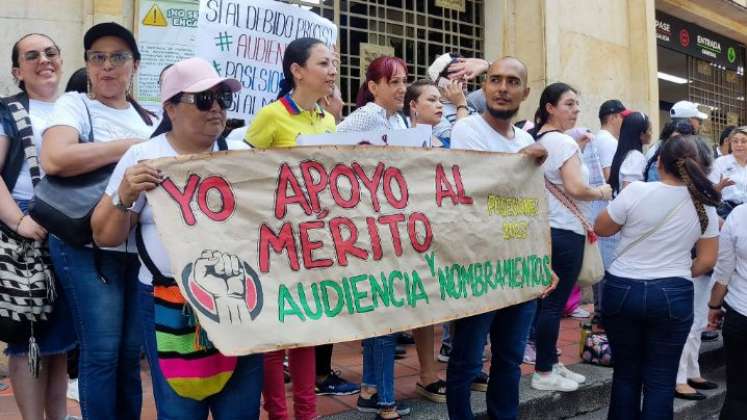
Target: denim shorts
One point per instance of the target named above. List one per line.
(58, 334)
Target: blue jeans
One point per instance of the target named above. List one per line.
(508, 329)
(107, 323)
(647, 324)
(567, 257)
(239, 399)
(378, 367)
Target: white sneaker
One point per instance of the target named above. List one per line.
(563, 371)
(530, 354)
(553, 382)
(580, 313)
(72, 390)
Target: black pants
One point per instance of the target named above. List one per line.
(323, 359)
(735, 343)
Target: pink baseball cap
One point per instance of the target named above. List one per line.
(192, 75)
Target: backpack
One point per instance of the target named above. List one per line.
(27, 290)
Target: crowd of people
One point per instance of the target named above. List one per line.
(672, 227)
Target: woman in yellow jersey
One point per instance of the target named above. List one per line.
(310, 70)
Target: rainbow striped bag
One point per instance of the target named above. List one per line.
(192, 366)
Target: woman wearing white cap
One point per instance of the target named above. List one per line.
(195, 100)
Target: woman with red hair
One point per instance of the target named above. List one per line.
(380, 101)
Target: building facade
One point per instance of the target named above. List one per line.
(634, 50)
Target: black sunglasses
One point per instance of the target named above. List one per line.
(204, 100)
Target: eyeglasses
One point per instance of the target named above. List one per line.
(116, 58)
(50, 53)
(204, 100)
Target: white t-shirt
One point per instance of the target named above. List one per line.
(606, 145)
(561, 147)
(632, 167)
(666, 253)
(474, 133)
(39, 113)
(108, 124)
(728, 167)
(157, 147)
(731, 268)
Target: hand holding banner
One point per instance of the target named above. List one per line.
(285, 248)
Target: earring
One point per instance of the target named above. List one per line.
(89, 89)
(130, 88)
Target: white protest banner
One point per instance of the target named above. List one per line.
(166, 33)
(419, 136)
(283, 248)
(246, 40)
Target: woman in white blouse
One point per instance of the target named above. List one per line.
(629, 162)
(730, 292)
(733, 167)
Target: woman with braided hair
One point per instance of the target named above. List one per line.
(647, 297)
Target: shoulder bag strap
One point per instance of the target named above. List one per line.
(90, 121)
(158, 277)
(661, 223)
(570, 205)
(222, 144)
(22, 122)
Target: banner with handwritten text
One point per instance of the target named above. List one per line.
(285, 248)
(246, 40)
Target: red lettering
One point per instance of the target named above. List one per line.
(283, 240)
(396, 175)
(463, 198)
(392, 221)
(183, 197)
(314, 188)
(286, 179)
(346, 246)
(443, 187)
(373, 233)
(355, 189)
(228, 202)
(308, 246)
(372, 185)
(423, 219)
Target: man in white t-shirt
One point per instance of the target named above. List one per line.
(605, 142)
(505, 88)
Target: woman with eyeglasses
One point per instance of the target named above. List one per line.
(101, 284)
(37, 67)
(309, 70)
(195, 99)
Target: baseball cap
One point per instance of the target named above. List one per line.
(612, 106)
(440, 64)
(686, 109)
(110, 29)
(192, 75)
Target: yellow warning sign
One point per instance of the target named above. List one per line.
(155, 17)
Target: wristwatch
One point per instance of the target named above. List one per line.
(118, 202)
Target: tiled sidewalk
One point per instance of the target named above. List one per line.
(346, 358)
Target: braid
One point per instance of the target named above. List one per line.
(695, 195)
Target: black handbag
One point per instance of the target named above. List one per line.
(64, 205)
(27, 290)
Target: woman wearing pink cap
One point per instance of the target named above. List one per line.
(191, 378)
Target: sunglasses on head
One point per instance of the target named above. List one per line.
(204, 100)
(50, 52)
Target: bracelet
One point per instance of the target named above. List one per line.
(462, 106)
(717, 307)
(18, 225)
